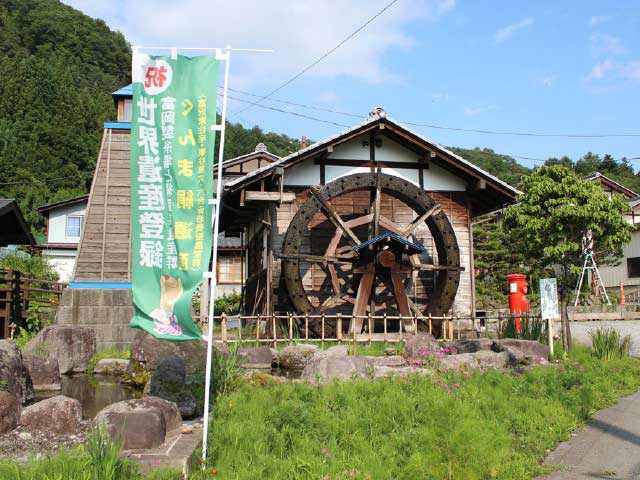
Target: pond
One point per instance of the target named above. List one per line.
(93, 392)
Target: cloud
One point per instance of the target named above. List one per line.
(547, 81)
(299, 32)
(610, 75)
(473, 111)
(599, 19)
(507, 32)
(605, 44)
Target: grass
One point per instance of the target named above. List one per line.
(459, 425)
(109, 353)
(608, 343)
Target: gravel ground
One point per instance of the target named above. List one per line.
(22, 446)
(580, 332)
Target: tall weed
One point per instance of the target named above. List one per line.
(608, 343)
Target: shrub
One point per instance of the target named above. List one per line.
(608, 343)
(532, 329)
(36, 266)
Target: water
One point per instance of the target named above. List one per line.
(93, 393)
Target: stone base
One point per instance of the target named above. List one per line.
(107, 311)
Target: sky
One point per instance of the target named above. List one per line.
(570, 67)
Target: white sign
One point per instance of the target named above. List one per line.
(549, 299)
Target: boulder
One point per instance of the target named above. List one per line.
(381, 371)
(44, 372)
(111, 366)
(324, 369)
(335, 351)
(420, 343)
(391, 361)
(525, 351)
(256, 356)
(169, 381)
(471, 345)
(59, 415)
(140, 423)
(72, 345)
(295, 357)
(482, 359)
(147, 351)
(9, 412)
(14, 376)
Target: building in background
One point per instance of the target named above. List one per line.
(627, 270)
(64, 228)
(13, 228)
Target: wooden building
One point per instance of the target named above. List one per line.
(306, 218)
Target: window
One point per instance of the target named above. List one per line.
(74, 224)
(126, 114)
(633, 267)
(230, 269)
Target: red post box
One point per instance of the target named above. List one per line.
(518, 302)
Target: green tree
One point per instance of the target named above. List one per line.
(555, 211)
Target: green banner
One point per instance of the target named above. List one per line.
(174, 106)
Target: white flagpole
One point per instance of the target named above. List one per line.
(216, 224)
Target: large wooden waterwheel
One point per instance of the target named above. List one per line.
(370, 262)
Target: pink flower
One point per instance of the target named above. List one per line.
(455, 385)
(325, 452)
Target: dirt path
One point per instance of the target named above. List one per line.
(608, 448)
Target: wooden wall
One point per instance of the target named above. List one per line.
(352, 205)
(104, 250)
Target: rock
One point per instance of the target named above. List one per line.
(147, 351)
(324, 369)
(335, 351)
(295, 357)
(9, 412)
(169, 381)
(381, 371)
(523, 350)
(419, 344)
(72, 345)
(111, 366)
(256, 356)
(482, 359)
(470, 345)
(59, 415)
(14, 376)
(140, 423)
(44, 372)
(391, 361)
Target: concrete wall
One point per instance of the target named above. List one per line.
(108, 311)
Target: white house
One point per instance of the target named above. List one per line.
(64, 226)
(627, 270)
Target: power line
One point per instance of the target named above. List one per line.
(439, 127)
(26, 182)
(315, 119)
(322, 57)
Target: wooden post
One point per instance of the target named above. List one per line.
(430, 325)
(415, 323)
(550, 335)
(275, 330)
(384, 327)
(370, 327)
(322, 327)
(451, 328)
(306, 326)
(258, 330)
(223, 327)
(290, 328)
(339, 326)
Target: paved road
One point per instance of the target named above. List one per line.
(580, 332)
(608, 448)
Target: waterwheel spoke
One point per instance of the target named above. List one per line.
(317, 258)
(375, 207)
(430, 266)
(421, 219)
(336, 219)
(331, 302)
